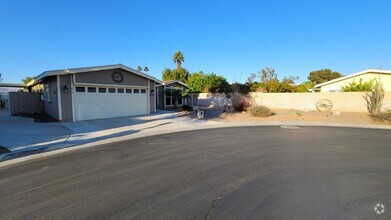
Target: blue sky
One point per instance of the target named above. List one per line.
(230, 38)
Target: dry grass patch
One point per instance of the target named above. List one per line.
(260, 111)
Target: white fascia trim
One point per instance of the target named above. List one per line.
(59, 98)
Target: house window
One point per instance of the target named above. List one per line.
(168, 100)
(47, 95)
(120, 90)
(111, 90)
(143, 91)
(102, 90)
(128, 90)
(136, 90)
(80, 89)
(91, 89)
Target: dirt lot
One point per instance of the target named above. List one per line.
(292, 115)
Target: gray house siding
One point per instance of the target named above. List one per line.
(104, 77)
(152, 99)
(66, 98)
(160, 94)
(51, 108)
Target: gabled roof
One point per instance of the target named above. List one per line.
(353, 75)
(168, 82)
(90, 69)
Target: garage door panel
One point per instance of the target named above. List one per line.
(108, 105)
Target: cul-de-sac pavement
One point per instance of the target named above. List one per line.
(267, 172)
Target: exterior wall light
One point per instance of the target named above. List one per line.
(66, 89)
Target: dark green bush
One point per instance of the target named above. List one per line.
(187, 108)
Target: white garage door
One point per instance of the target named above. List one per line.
(100, 102)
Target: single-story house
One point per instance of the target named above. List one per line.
(164, 99)
(5, 88)
(96, 92)
(335, 85)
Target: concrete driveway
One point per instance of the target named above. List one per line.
(23, 136)
(230, 173)
(18, 133)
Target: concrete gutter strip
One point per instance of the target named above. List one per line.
(57, 148)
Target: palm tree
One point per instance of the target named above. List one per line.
(146, 69)
(178, 59)
(139, 68)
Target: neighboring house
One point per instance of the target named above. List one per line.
(336, 85)
(165, 101)
(96, 92)
(11, 87)
(5, 88)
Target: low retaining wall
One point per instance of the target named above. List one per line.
(25, 103)
(342, 101)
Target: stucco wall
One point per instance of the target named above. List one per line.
(104, 77)
(51, 108)
(342, 101)
(66, 98)
(337, 86)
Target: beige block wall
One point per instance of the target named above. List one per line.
(342, 101)
(384, 78)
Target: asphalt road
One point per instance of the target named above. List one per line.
(230, 173)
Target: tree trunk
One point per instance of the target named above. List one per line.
(178, 65)
(175, 102)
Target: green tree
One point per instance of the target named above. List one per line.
(289, 79)
(200, 82)
(251, 78)
(305, 86)
(323, 75)
(178, 58)
(268, 75)
(139, 68)
(359, 86)
(176, 74)
(27, 80)
(146, 69)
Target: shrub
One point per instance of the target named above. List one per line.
(359, 86)
(260, 111)
(239, 101)
(374, 98)
(383, 116)
(187, 108)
